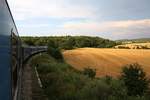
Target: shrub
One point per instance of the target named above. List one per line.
(89, 72)
(118, 88)
(108, 79)
(135, 79)
(95, 90)
(123, 47)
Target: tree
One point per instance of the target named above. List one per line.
(51, 43)
(54, 52)
(135, 79)
(69, 43)
(29, 41)
(86, 42)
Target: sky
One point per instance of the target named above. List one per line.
(112, 19)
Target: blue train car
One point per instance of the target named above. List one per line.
(10, 55)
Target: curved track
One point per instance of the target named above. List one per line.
(30, 87)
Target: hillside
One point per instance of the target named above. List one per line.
(107, 61)
(140, 40)
(69, 42)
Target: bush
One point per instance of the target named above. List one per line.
(95, 90)
(123, 47)
(108, 79)
(135, 79)
(89, 72)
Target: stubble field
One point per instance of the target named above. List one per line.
(107, 61)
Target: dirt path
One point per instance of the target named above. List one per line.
(30, 87)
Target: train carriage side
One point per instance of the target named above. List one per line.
(10, 55)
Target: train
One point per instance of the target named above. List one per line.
(13, 55)
(10, 55)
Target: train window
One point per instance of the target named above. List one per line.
(15, 61)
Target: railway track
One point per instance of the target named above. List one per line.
(31, 90)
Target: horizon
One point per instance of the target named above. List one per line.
(111, 19)
(85, 36)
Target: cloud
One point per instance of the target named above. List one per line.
(24, 9)
(114, 27)
(109, 19)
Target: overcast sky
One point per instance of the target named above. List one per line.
(113, 19)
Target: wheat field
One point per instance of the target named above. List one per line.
(107, 61)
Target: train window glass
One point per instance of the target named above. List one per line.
(9, 66)
(15, 62)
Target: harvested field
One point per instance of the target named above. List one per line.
(134, 46)
(107, 61)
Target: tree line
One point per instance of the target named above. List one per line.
(69, 42)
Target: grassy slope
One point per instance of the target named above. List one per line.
(62, 82)
(107, 61)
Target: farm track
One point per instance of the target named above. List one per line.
(107, 61)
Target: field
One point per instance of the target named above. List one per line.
(107, 61)
(135, 46)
